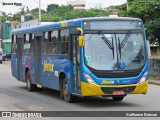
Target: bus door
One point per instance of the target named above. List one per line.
(75, 54)
(37, 54)
(19, 50)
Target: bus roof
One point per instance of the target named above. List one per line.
(74, 22)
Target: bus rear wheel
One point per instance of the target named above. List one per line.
(118, 98)
(30, 86)
(66, 95)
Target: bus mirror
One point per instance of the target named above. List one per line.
(81, 41)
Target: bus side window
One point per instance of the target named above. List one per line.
(52, 45)
(44, 44)
(31, 41)
(64, 41)
(26, 44)
(14, 43)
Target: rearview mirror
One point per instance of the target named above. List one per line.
(81, 41)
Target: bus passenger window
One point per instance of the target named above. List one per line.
(52, 45)
(26, 44)
(31, 41)
(45, 38)
(64, 41)
(14, 44)
(52, 48)
(54, 36)
(44, 49)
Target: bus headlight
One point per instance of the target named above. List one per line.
(143, 78)
(89, 79)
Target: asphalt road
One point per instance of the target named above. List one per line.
(15, 97)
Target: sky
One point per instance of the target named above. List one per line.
(34, 3)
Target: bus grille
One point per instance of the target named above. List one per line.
(110, 90)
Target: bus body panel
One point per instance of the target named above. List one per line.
(14, 66)
(51, 67)
(28, 63)
(1, 55)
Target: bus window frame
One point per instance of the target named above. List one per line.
(69, 42)
(48, 41)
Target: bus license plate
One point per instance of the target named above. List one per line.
(120, 92)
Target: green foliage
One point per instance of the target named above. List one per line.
(35, 11)
(16, 17)
(22, 10)
(65, 12)
(2, 18)
(149, 15)
(52, 7)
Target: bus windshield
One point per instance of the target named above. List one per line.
(116, 51)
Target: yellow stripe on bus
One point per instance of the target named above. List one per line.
(95, 90)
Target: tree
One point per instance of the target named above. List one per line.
(35, 11)
(150, 15)
(52, 7)
(16, 17)
(22, 11)
(27, 10)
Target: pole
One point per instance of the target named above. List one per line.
(39, 12)
(127, 5)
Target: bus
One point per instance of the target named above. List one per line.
(95, 56)
(1, 55)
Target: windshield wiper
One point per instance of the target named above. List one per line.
(108, 43)
(119, 46)
(125, 40)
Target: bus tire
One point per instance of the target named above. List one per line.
(66, 95)
(118, 98)
(29, 85)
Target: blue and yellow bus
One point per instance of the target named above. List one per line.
(97, 56)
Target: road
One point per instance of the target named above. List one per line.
(15, 97)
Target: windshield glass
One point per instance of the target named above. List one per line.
(114, 51)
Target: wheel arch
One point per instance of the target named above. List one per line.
(26, 70)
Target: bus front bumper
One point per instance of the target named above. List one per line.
(105, 90)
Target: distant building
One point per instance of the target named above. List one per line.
(29, 23)
(27, 17)
(77, 4)
(115, 11)
(6, 37)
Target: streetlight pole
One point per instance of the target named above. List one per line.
(127, 5)
(39, 22)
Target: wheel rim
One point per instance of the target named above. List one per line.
(65, 90)
(66, 94)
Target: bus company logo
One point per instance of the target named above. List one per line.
(6, 114)
(48, 67)
(118, 82)
(108, 82)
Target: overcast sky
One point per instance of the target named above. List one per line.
(34, 3)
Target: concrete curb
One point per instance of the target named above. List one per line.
(154, 83)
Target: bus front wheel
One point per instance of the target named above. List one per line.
(118, 98)
(30, 86)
